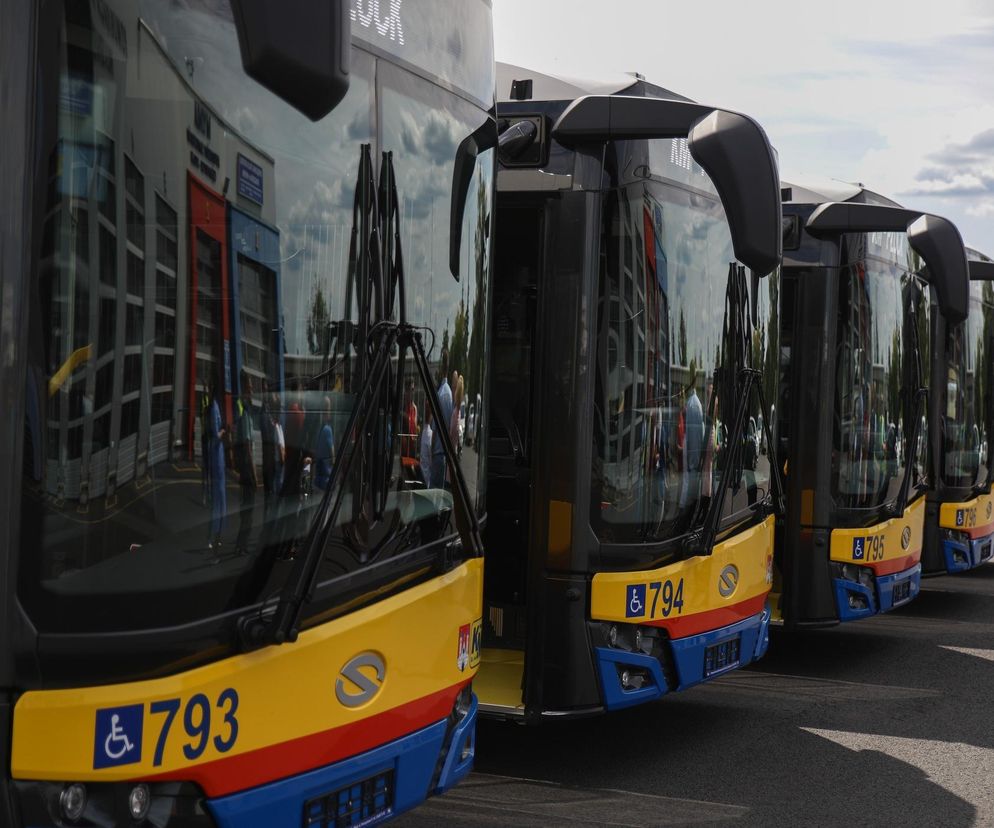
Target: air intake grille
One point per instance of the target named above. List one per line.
(355, 806)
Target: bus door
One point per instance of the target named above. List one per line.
(509, 454)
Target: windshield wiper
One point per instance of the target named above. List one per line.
(376, 272)
(901, 503)
(736, 339)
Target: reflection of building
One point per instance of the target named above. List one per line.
(158, 254)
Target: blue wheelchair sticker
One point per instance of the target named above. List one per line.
(858, 548)
(118, 739)
(635, 601)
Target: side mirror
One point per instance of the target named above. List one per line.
(934, 238)
(732, 148)
(297, 49)
(938, 240)
(981, 271)
(469, 149)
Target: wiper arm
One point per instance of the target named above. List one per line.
(921, 395)
(284, 623)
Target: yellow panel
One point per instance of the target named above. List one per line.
(893, 540)
(425, 636)
(975, 516)
(499, 681)
(674, 595)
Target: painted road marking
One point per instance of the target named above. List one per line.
(973, 651)
(965, 771)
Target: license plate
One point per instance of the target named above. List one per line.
(721, 656)
(902, 591)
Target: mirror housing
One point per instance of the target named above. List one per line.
(732, 148)
(935, 239)
(297, 49)
(479, 140)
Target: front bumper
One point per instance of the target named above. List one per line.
(961, 556)
(692, 660)
(855, 600)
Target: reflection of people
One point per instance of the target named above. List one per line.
(693, 440)
(408, 444)
(426, 448)
(267, 431)
(324, 450)
(444, 403)
(279, 448)
(460, 390)
(245, 464)
(215, 463)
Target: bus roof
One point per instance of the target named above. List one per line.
(558, 88)
(819, 190)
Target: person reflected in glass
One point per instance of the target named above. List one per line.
(693, 441)
(248, 481)
(324, 449)
(279, 447)
(445, 404)
(425, 458)
(216, 470)
(459, 388)
(267, 432)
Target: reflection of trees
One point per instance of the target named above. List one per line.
(459, 345)
(682, 339)
(317, 322)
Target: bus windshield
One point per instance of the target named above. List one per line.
(661, 414)
(965, 420)
(882, 363)
(195, 353)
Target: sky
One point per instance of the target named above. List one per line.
(896, 95)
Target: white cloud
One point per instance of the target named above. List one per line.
(863, 91)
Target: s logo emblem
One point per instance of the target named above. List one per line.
(906, 537)
(728, 580)
(354, 687)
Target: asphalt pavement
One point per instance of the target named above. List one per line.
(885, 721)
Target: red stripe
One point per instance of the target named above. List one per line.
(711, 619)
(258, 767)
(896, 565)
(976, 531)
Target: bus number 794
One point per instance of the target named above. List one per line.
(672, 598)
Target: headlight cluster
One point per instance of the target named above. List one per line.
(135, 804)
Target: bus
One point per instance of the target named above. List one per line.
(628, 489)
(244, 244)
(858, 275)
(959, 524)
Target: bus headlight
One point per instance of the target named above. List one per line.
(72, 801)
(139, 802)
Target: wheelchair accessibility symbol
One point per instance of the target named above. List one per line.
(635, 605)
(118, 737)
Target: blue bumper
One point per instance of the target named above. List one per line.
(697, 658)
(382, 783)
(855, 600)
(961, 556)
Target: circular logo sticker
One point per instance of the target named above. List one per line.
(728, 580)
(906, 537)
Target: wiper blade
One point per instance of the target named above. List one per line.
(901, 503)
(376, 272)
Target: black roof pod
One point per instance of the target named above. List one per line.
(732, 148)
(935, 239)
(980, 271)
